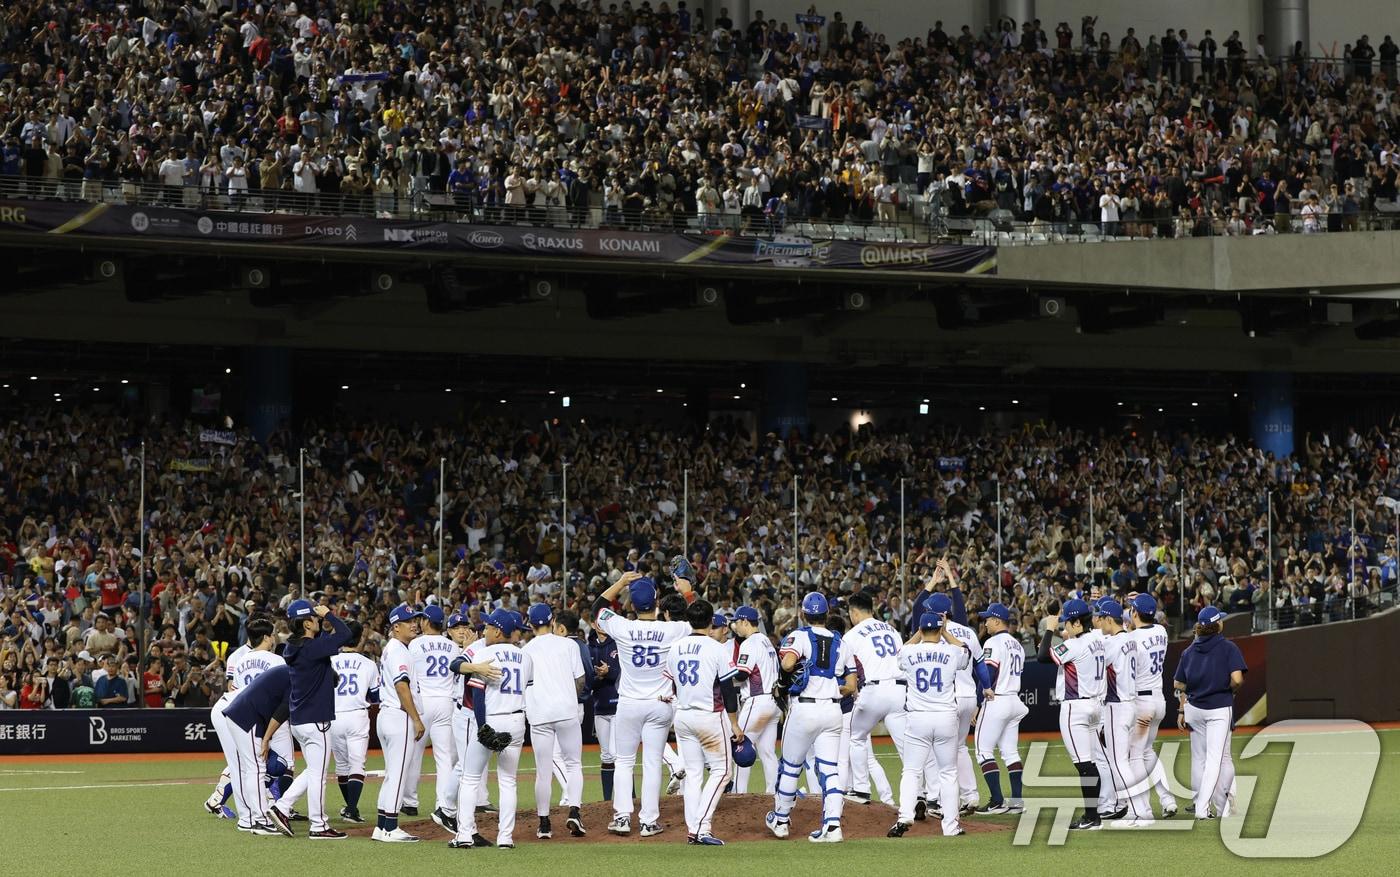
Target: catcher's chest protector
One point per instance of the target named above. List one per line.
(826, 653)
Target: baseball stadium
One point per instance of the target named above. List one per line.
(533, 434)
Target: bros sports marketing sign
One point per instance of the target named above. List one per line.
(66, 732)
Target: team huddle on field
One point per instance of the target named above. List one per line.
(716, 682)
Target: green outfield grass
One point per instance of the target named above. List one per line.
(60, 816)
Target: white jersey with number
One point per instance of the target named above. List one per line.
(553, 695)
(799, 643)
(1096, 635)
(930, 672)
(356, 677)
(231, 684)
(698, 665)
(1151, 655)
(251, 665)
(508, 695)
(395, 666)
(432, 656)
(1120, 655)
(758, 664)
(1004, 654)
(1081, 661)
(967, 684)
(873, 649)
(641, 652)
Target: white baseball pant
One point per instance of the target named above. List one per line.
(812, 730)
(967, 776)
(998, 729)
(463, 729)
(474, 777)
(672, 759)
(1212, 766)
(1108, 793)
(314, 739)
(560, 770)
(1125, 765)
(414, 767)
(224, 730)
(249, 793)
(557, 743)
(702, 736)
(436, 713)
(930, 734)
(873, 704)
(645, 724)
(350, 742)
(603, 730)
(758, 718)
(1151, 709)
(395, 732)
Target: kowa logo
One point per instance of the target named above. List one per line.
(487, 240)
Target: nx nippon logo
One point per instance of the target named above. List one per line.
(415, 235)
(97, 730)
(486, 240)
(1327, 780)
(196, 731)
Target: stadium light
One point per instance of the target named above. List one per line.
(658, 389)
(833, 398)
(448, 390)
(923, 407)
(1015, 401)
(981, 407)
(344, 386)
(736, 396)
(36, 377)
(566, 400)
(228, 371)
(743, 386)
(124, 380)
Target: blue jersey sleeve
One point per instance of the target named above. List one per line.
(959, 605)
(327, 644)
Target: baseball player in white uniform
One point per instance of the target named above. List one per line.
(399, 727)
(1082, 664)
(930, 663)
(223, 786)
(500, 710)
(999, 724)
(1108, 790)
(970, 679)
(551, 706)
(247, 663)
(250, 666)
(757, 671)
(814, 660)
(1150, 702)
(873, 655)
(463, 721)
(434, 685)
(357, 686)
(1120, 716)
(700, 667)
(643, 719)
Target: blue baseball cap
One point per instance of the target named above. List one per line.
(746, 613)
(1209, 615)
(516, 619)
(643, 593)
(403, 612)
(540, 615)
(1074, 609)
(814, 604)
(997, 610)
(1109, 609)
(1145, 604)
(719, 620)
(931, 621)
(457, 619)
(435, 614)
(502, 621)
(939, 603)
(300, 609)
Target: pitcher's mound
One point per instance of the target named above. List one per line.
(739, 817)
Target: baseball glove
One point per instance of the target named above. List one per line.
(682, 569)
(492, 739)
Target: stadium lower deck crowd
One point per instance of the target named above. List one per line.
(650, 114)
(222, 522)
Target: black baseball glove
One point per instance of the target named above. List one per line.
(682, 569)
(492, 739)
